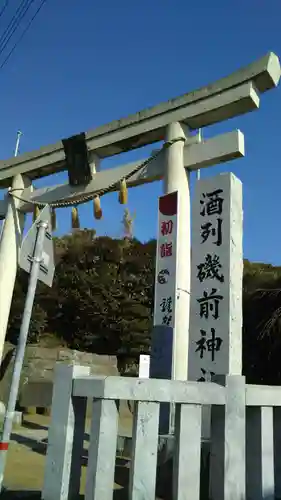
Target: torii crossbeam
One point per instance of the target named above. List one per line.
(229, 97)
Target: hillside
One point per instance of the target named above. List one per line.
(102, 302)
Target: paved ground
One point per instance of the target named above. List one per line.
(26, 459)
(26, 456)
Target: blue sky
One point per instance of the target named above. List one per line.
(85, 63)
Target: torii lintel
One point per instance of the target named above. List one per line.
(231, 96)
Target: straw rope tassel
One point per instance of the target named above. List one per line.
(97, 208)
(75, 223)
(123, 193)
(53, 219)
(36, 212)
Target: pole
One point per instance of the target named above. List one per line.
(8, 422)
(200, 139)
(19, 134)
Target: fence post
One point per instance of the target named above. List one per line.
(260, 453)
(228, 431)
(66, 436)
(102, 450)
(186, 469)
(277, 450)
(144, 454)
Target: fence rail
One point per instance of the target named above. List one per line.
(245, 445)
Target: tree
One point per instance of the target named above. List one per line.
(38, 321)
(102, 297)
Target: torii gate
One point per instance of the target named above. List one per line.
(171, 121)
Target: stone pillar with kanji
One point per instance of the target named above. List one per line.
(215, 336)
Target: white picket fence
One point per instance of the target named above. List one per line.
(245, 459)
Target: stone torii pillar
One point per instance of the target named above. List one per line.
(176, 178)
(10, 242)
(226, 98)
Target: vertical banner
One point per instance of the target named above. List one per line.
(165, 288)
(166, 261)
(162, 342)
(215, 341)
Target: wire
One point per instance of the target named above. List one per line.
(4, 8)
(22, 35)
(14, 23)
